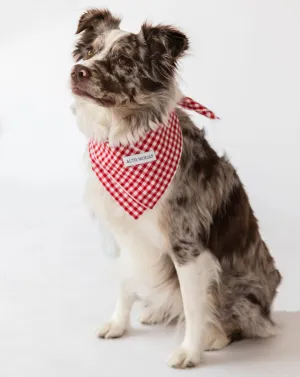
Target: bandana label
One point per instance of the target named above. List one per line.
(138, 159)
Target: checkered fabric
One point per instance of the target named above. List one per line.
(139, 187)
(190, 104)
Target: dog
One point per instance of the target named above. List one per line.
(198, 253)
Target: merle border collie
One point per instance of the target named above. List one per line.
(198, 255)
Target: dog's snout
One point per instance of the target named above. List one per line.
(80, 72)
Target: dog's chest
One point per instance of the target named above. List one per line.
(130, 234)
(141, 243)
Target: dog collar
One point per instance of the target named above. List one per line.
(137, 176)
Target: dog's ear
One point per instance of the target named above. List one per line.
(97, 19)
(164, 39)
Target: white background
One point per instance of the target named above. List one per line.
(243, 63)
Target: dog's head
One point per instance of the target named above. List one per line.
(119, 68)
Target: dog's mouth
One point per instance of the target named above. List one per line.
(101, 101)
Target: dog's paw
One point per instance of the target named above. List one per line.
(217, 344)
(111, 330)
(214, 339)
(183, 358)
(151, 317)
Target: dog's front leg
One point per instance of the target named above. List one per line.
(195, 275)
(119, 322)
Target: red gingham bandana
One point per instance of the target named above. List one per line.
(139, 187)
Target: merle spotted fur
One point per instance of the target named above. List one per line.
(207, 207)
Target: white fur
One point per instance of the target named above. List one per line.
(101, 124)
(110, 38)
(142, 244)
(120, 319)
(92, 120)
(214, 338)
(195, 279)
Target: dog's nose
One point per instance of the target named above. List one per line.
(80, 72)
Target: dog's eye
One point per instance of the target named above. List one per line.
(89, 53)
(122, 60)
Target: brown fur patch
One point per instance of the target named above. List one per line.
(95, 18)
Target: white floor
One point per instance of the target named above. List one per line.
(56, 288)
